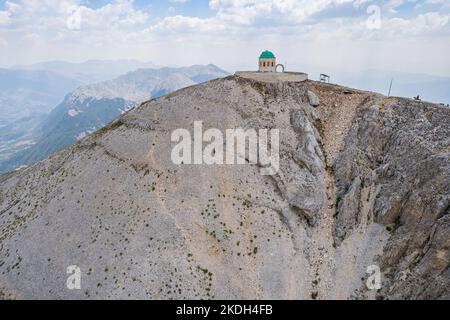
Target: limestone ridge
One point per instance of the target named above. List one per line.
(363, 180)
(400, 153)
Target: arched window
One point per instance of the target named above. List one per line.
(264, 64)
(272, 63)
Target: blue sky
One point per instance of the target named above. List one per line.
(403, 35)
(164, 8)
(201, 8)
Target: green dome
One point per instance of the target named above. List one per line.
(267, 55)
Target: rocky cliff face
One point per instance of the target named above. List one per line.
(363, 181)
(398, 151)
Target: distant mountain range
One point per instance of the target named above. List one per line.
(91, 107)
(29, 93)
(90, 71)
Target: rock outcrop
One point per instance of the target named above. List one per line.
(363, 181)
(399, 150)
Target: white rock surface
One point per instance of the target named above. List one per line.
(313, 99)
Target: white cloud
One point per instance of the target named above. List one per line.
(55, 13)
(250, 18)
(294, 11)
(182, 24)
(5, 17)
(121, 13)
(441, 3)
(234, 32)
(422, 25)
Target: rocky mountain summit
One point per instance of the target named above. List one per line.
(364, 181)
